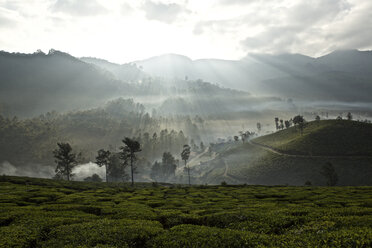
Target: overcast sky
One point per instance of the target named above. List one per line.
(128, 30)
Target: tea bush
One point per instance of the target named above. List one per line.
(46, 213)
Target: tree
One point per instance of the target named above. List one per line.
(281, 124)
(116, 169)
(300, 121)
(349, 116)
(164, 169)
(317, 118)
(128, 153)
(156, 171)
(94, 178)
(287, 124)
(169, 164)
(329, 172)
(244, 135)
(276, 123)
(185, 155)
(236, 138)
(66, 160)
(259, 126)
(103, 159)
(202, 147)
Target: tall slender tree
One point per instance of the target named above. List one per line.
(66, 160)
(185, 155)
(103, 159)
(276, 123)
(259, 126)
(128, 153)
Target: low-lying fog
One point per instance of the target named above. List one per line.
(80, 172)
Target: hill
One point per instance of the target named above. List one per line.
(323, 138)
(32, 84)
(287, 157)
(338, 76)
(54, 213)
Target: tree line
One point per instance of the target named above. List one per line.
(116, 163)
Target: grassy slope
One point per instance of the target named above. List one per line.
(328, 137)
(253, 165)
(47, 213)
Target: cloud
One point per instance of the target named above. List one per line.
(8, 18)
(86, 170)
(167, 13)
(79, 7)
(33, 170)
(126, 9)
(313, 27)
(237, 2)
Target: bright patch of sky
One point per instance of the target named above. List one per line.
(124, 31)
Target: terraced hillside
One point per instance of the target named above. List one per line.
(323, 138)
(47, 213)
(289, 157)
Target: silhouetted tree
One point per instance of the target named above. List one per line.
(236, 138)
(287, 124)
(259, 127)
(66, 160)
(116, 168)
(300, 121)
(169, 164)
(349, 116)
(329, 172)
(317, 118)
(103, 159)
(276, 123)
(128, 153)
(244, 135)
(94, 178)
(202, 147)
(185, 155)
(281, 124)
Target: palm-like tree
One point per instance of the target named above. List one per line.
(128, 153)
(185, 156)
(103, 159)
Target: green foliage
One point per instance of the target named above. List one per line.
(65, 160)
(84, 214)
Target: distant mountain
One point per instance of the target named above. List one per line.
(126, 72)
(338, 76)
(32, 84)
(36, 83)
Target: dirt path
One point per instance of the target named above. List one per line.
(270, 149)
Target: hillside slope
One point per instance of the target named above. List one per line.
(344, 144)
(338, 76)
(32, 84)
(326, 138)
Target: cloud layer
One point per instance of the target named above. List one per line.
(128, 30)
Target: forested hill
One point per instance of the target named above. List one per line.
(343, 75)
(36, 83)
(32, 84)
(30, 142)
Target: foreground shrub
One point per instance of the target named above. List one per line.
(119, 233)
(201, 236)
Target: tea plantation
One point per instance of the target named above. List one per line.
(48, 213)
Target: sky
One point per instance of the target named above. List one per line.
(130, 30)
